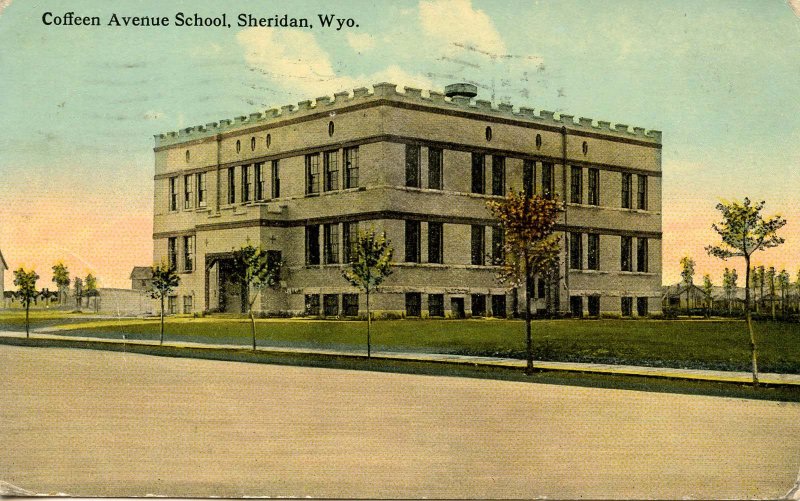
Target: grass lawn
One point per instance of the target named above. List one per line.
(705, 344)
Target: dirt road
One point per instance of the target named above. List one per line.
(97, 423)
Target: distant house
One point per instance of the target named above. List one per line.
(675, 296)
(141, 278)
(3, 268)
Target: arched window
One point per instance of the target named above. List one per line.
(585, 148)
(488, 133)
(269, 140)
(253, 144)
(187, 155)
(330, 128)
(538, 141)
(238, 146)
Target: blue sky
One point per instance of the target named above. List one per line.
(80, 104)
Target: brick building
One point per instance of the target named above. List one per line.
(301, 180)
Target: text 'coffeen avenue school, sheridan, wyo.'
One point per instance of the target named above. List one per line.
(302, 180)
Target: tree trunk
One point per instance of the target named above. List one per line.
(369, 325)
(27, 320)
(253, 327)
(528, 340)
(162, 320)
(748, 319)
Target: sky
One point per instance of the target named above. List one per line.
(79, 104)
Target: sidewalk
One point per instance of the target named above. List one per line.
(631, 370)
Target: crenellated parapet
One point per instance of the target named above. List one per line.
(389, 91)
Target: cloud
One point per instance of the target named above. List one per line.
(4, 5)
(456, 22)
(793, 4)
(295, 61)
(360, 42)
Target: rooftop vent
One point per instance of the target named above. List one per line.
(461, 89)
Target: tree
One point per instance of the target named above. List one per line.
(771, 283)
(165, 280)
(530, 247)
(78, 286)
(687, 275)
(729, 279)
(90, 288)
(254, 268)
(783, 284)
(797, 291)
(755, 280)
(62, 281)
(744, 231)
(708, 289)
(762, 276)
(372, 257)
(26, 292)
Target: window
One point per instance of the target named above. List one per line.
(435, 168)
(312, 173)
(435, 243)
(478, 173)
(436, 305)
(238, 146)
(331, 128)
(231, 185)
(627, 306)
(274, 258)
(625, 254)
(585, 147)
(528, 174)
(575, 251)
(594, 187)
(498, 175)
(412, 166)
(172, 252)
(641, 193)
(188, 253)
(594, 306)
(478, 245)
(593, 250)
(626, 190)
(172, 305)
(312, 305)
(252, 144)
(350, 305)
(331, 161)
(351, 167)
(187, 192)
(201, 189)
(173, 193)
(540, 288)
(268, 140)
(498, 240)
(412, 242)
(641, 306)
(488, 133)
(413, 304)
(330, 305)
(576, 185)
(547, 180)
(499, 305)
(331, 237)
(641, 255)
(260, 181)
(276, 179)
(312, 244)
(576, 306)
(538, 141)
(247, 183)
(349, 242)
(187, 155)
(187, 305)
(478, 305)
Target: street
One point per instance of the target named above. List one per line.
(97, 423)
